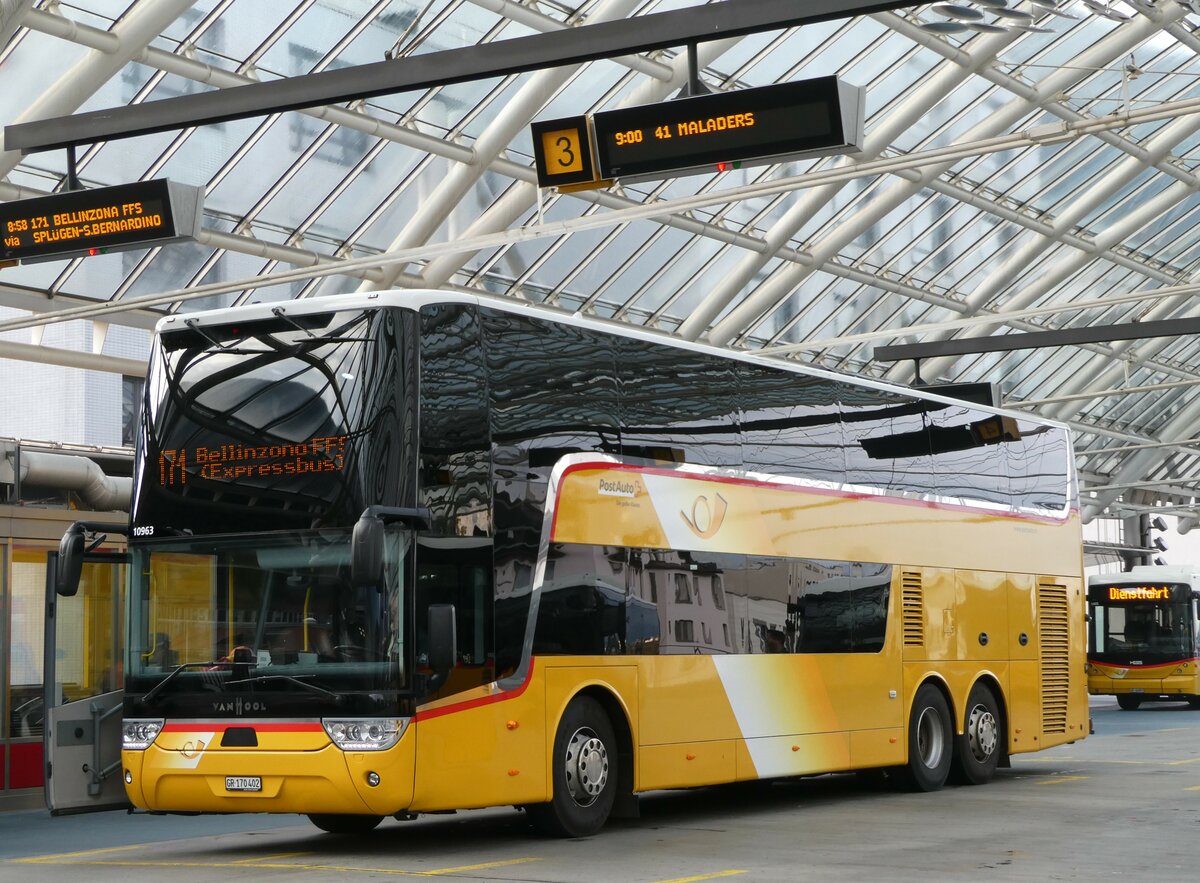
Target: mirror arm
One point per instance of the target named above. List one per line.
(418, 518)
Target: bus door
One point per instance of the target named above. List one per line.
(83, 680)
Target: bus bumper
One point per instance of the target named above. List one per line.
(320, 780)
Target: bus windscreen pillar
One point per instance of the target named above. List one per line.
(80, 223)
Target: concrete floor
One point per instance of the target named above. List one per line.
(1124, 804)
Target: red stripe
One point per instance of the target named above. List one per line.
(456, 707)
(257, 726)
(1142, 667)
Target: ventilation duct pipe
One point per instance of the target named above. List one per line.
(102, 492)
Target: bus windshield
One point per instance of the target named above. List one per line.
(1142, 632)
(270, 619)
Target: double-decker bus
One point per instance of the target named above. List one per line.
(407, 552)
(1143, 636)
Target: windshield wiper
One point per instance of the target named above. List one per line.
(258, 679)
(158, 688)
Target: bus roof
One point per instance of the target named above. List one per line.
(1172, 573)
(414, 299)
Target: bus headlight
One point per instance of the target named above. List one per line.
(138, 735)
(365, 734)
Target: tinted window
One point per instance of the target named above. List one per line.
(552, 392)
(969, 459)
(887, 442)
(840, 607)
(581, 608)
(1038, 466)
(674, 602)
(677, 405)
(790, 425)
(279, 425)
(762, 620)
(455, 446)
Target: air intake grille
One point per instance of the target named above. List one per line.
(1054, 641)
(912, 600)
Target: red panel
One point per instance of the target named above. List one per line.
(2, 750)
(26, 766)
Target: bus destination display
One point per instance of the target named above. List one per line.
(88, 222)
(705, 133)
(1139, 593)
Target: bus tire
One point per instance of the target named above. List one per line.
(345, 823)
(977, 751)
(1128, 701)
(585, 773)
(930, 741)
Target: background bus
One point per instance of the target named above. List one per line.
(1142, 640)
(414, 552)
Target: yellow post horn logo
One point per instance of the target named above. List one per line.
(705, 522)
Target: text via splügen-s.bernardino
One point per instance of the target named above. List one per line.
(231, 462)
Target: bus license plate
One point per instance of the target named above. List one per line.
(243, 783)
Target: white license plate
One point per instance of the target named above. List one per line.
(243, 783)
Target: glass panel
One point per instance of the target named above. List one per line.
(270, 619)
(27, 598)
(581, 609)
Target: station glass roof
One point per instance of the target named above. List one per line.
(1027, 165)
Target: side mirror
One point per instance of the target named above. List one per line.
(443, 642)
(366, 551)
(69, 567)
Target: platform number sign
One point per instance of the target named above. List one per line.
(562, 151)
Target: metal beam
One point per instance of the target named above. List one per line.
(48, 355)
(642, 33)
(1003, 343)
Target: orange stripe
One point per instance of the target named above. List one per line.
(423, 715)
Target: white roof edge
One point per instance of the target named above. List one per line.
(415, 298)
(1189, 573)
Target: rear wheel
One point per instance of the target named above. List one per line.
(1128, 701)
(930, 739)
(977, 751)
(336, 823)
(585, 773)
(1193, 702)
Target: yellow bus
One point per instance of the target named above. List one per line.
(409, 552)
(1142, 640)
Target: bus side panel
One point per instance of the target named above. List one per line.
(935, 597)
(478, 752)
(1024, 706)
(981, 615)
(681, 699)
(1022, 627)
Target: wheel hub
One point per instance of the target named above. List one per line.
(930, 738)
(982, 732)
(586, 766)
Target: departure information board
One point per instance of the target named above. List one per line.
(706, 133)
(88, 222)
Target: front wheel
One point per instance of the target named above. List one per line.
(977, 751)
(1129, 702)
(930, 737)
(336, 823)
(585, 773)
